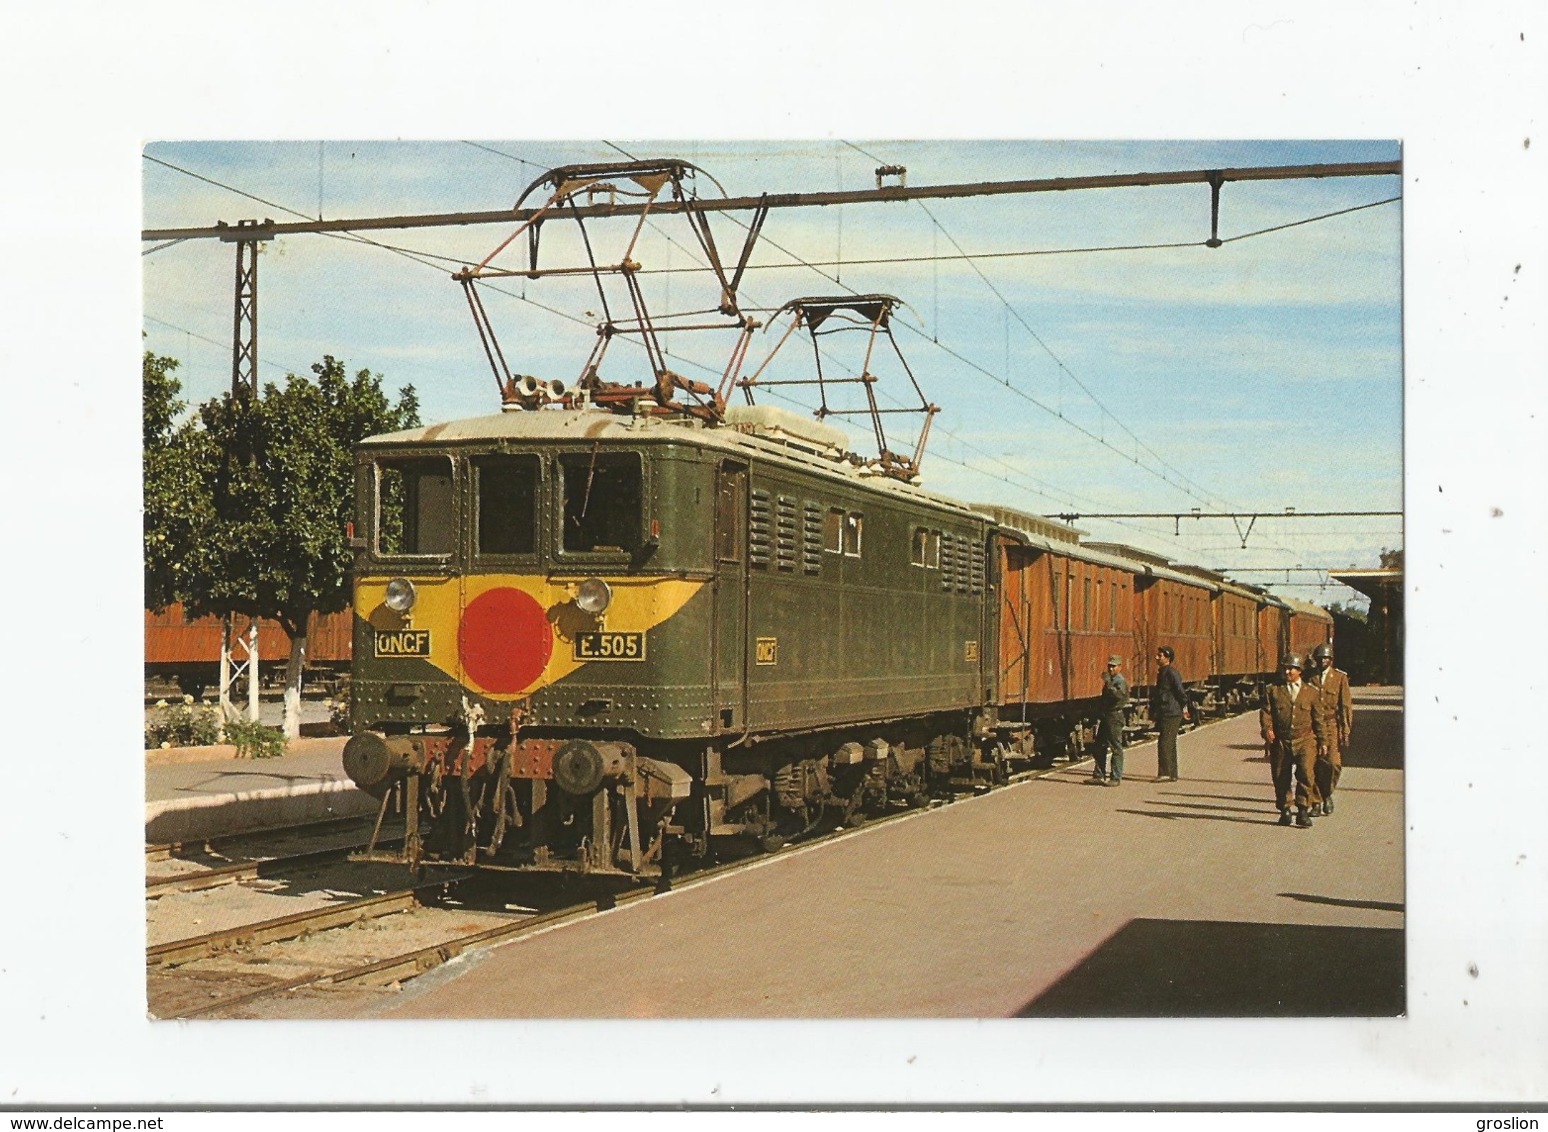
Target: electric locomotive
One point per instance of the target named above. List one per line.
(587, 640)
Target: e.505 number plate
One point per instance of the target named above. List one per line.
(609, 646)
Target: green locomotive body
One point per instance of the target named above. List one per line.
(629, 634)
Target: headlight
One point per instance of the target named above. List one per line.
(593, 595)
(400, 595)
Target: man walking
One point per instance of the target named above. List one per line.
(1337, 706)
(1291, 723)
(1168, 709)
(1109, 751)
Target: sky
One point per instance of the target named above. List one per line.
(93, 89)
(1262, 375)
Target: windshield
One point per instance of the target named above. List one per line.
(507, 488)
(414, 513)
(602, 501)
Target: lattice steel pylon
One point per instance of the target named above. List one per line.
(247, 235)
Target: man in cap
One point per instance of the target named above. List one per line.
(1337, 707)
(1291, 723)
(1115, 696)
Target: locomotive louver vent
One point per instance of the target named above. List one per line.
(760, 528)
(976, 569)
(811, 542)
(787, 533)
(948, 561)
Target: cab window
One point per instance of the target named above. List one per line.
(507, 491)
(414, 506)
(603, 493)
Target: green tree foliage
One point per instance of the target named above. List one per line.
(278, 475)
(173, 515)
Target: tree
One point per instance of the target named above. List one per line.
(172, 515)
(278, 477)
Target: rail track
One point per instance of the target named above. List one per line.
(240, 871)
(409, 963)
(405, 964)
(215, 846)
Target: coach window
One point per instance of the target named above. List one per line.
(1053, 599)
(833, 531)
(414, 512)
(854, 528)
(506, 488)
(1085, 610)
(602, 501)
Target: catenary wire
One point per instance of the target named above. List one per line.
(424, 259)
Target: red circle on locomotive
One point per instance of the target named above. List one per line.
(504, 641)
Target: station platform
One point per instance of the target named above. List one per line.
(201, 792)
(1055, 897)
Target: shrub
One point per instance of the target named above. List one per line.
(254, 740)
(186, 724)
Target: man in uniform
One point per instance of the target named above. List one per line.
(1115, 695)
(1291, 722)
(1168, 709)
(1337, 706)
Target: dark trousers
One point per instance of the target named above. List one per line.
(1110, 743)
(1166, 746)
(1293, 761)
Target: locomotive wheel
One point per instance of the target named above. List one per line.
(773, 842)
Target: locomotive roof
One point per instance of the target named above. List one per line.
(561, 425)
(587, 425)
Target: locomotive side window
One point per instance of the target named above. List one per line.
(927, 548)
(414, 513)
(854, 527)
(602, 501)
(833, 531)
(507, 488)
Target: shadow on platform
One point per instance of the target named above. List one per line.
(1376, 740)
(1202, 969)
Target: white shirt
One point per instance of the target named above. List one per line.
(1295, 690)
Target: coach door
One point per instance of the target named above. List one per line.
(729, 634)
